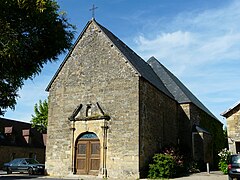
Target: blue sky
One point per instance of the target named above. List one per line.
(197, 40)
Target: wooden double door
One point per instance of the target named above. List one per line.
(88, 156)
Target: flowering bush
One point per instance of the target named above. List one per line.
(177, 157)
(167, 164)
(224, 155)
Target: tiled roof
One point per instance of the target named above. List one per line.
(19, 130)
(180, 92)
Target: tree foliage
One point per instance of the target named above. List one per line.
(41, 115)
(226, 137)
(32, 33)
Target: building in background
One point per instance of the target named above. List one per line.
(232, 116)
(20, 140)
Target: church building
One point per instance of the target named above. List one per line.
(110, 111)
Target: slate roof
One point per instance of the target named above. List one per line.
(137, 62)
(225, 113)
(16, 128)
(153, 71)
(141, 67)
(180, 92)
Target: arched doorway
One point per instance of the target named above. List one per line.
(87, 154)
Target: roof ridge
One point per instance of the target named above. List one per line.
(13, 120)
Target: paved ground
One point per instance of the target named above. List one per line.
(214, 175)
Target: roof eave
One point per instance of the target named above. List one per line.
(224, 114)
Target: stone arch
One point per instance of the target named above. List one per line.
(87, 154)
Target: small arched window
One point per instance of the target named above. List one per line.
(88, 135)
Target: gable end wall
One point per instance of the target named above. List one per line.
(95, 72)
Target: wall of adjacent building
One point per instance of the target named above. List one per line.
(95, 72)
(158, 123)
(19, 140)
(190, 114)
(214, 127)
(233, 128)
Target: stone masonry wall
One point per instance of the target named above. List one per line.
(195, 115)
(95, 72)
(158, 122)
(213, 126)
(185, 129)
(233, 128)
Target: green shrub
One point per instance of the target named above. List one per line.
(164, 166)
(178, 158)
(223, 166)
(224, 155)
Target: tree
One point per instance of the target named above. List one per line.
(226, 137)
(41, 115)
(32, 33)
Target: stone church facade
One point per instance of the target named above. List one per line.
(110, 111)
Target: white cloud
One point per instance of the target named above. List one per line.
(201, 49)
(174, 40)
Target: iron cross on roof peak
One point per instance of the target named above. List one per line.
(93, 10)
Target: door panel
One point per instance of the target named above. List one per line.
(82, 157)
(94, 164)
(22, 166)
(88, 156)
(94, 157)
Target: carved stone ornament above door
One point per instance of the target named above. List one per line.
(87, 112)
